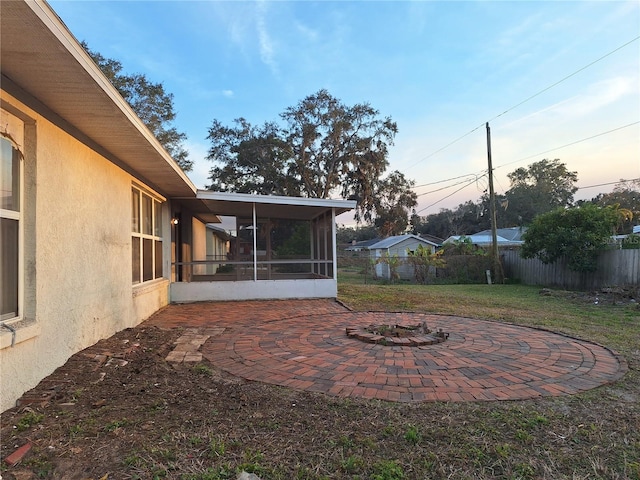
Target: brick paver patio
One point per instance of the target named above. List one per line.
(303, 345)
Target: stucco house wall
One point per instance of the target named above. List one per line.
(77, 286)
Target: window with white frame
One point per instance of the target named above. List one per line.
(146, 236)
(10, 219)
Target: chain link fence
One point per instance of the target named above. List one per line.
(360, 268)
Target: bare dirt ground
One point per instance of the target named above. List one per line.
(119, 410)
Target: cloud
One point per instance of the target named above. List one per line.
(266, 44)
(306, 32)
(599, 95)
(228, 93)
(201, 166)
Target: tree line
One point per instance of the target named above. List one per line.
(540, 188)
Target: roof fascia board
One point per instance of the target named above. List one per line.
(275, 199)
(55, 24)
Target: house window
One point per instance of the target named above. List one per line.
(10, 218)
(146, 236)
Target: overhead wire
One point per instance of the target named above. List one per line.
(477, 176)
(505, 112)
(609, 183)
(521, 160)
(451, 194)
(527, 99)
(566, 78)
(569, 144)
(447, 145)
(443, 181)
(448, 186)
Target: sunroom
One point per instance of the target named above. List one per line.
(257, 247)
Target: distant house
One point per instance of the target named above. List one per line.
(366, 244)
(636, 229)
(511, 234)
(506, 237)
(400, 245)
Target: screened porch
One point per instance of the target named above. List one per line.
(260, 247)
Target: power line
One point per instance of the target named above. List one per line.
(609, 183)
(443, 181)
(579, 188)
(448, 186)
(477, 177)
(527, 99)
(565, 78)
(569, 144)
(447, 145)
(444, 198)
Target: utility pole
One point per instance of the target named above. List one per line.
(495, 257)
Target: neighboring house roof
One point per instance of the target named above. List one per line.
(363, 245)
(513, 234)
(392, 241)
(483, 240)
(432, 238)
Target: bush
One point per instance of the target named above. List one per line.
(631, 242)
(579, 234)
(465, 269)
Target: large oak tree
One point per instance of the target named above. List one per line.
(323, 148)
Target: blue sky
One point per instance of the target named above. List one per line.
(440, 69)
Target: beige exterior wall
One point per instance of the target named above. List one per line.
(199, 245)
(216, 250)
(77, 256)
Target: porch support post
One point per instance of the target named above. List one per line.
(334, 244)
(255, 244)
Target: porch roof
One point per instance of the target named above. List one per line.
(275, 206)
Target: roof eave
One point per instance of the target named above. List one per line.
(58, 45)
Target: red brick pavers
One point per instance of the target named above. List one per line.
(303, 345)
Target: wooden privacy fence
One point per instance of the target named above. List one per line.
(615, 268)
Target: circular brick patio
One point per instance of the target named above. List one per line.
(481, 360)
